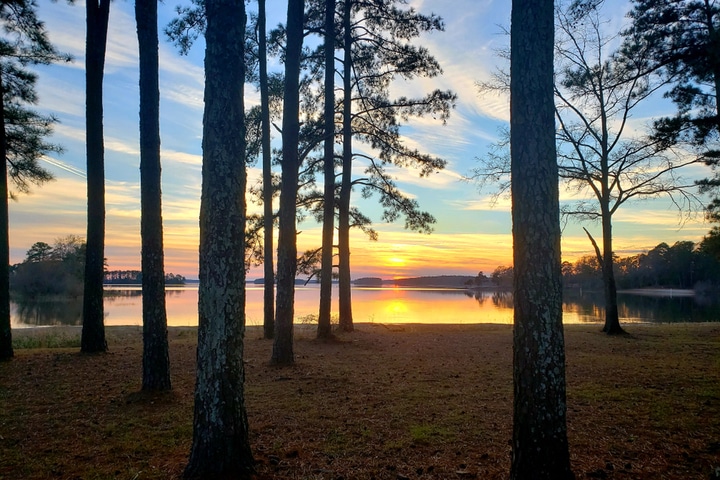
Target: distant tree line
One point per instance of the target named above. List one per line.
(501, 278)
(129, 277)
(59, 269)
(685, 264)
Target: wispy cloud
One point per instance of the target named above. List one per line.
(184, 158)
(484, 203)
(668, 219)
(124, 146)
(59, 96)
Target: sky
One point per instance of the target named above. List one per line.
(472, 232)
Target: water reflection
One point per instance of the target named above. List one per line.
(123, 306)
(46, 312)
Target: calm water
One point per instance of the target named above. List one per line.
(381, 305)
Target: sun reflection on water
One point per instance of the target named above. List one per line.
(379, 305)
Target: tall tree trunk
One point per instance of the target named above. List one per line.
(612, 317)
(93, 330)
(220, 446)
(287, 242)
(328, 230)
(268, 252)
(6, 348)
(156, 360)
(540, 447)
(344, 285)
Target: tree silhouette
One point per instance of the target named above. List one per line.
(596, 94)
(267, 192)
(601, 159)
(287, 236)
(681, 40)
(93, 331)
(156, 361)
(377, 50)
(24, 42)
(328, 221)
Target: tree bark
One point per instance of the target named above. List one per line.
(156, 360)
(6, 348)
(220, 446)
(344, 285)
(268, 225)
(328, 229)
(612, 317)
(540, 447)
(287, 242)
(93, 330)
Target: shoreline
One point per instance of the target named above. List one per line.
(303, 329)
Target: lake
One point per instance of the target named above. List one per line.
(123, 306)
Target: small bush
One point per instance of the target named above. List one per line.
(312, 319)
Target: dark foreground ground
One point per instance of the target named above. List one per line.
(385, 402)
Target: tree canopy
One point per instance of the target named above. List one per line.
(681, 42)
(23, 42)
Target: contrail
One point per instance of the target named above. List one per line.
(64, 166)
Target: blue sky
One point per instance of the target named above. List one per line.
(471, 234)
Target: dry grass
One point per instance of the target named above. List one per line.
(385, 402)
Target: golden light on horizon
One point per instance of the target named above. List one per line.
(59, 208)
(396, 261)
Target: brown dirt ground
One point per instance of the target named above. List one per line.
(384, 402)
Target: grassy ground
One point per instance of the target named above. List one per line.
(385, 402)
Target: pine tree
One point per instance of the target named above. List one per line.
(328, 224)
(287, 239)
(539, 443)
(681, 39)
(156, 361)
(377, 50)
(267, 194)
(220, 445)
(93, 330)
(24, 43)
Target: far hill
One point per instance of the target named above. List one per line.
(441, 281)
